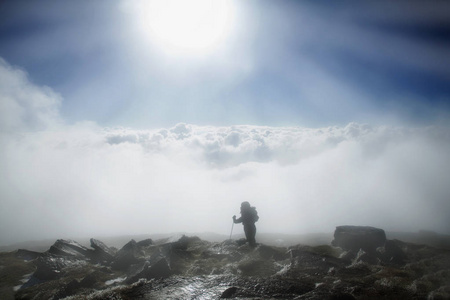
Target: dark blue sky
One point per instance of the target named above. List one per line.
(279, 63)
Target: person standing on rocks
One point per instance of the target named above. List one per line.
(249, 216)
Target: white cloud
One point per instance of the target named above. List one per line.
(23, 105)
(83, 180)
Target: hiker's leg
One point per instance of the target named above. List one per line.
(250, 232)
(247, 231)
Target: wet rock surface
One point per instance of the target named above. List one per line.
(191, 268)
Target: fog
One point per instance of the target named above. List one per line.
(66, 181)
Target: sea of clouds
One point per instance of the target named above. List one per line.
(60, 180)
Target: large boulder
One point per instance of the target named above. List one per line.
(353, 238)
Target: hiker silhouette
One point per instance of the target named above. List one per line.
(249, 216)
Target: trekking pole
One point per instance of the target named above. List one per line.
(232, 225)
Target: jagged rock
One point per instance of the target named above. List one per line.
(73, 286)
(306, 260)
(194, 269)
(184, 241)
(49, 267)
(127, 256)
(359, 237)
(130, 247)
(101, 251)
(69, 248)
(348, 256)
(177, 253)
(27, 254)
(393, 253)
(159, 269)
(365, 257)
(145, 243)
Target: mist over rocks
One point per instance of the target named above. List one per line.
(189, 267)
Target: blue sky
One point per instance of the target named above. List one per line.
(282, 63)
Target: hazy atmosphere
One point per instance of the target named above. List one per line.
(130, 117)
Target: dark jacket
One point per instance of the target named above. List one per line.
(248, 216)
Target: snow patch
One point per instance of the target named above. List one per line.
(117, 280)
(24, 279)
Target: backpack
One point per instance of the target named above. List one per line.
(254, 214)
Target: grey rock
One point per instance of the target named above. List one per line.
(128, 255)
(268, 252)
(49, 267)
(159, 269)
(101, 251)
(392, 253)
(229, 292)
(348, 256)
(145, 243)
(27, 254)
(184, 242)
(359, 237)
(365, 257)
(69, 248)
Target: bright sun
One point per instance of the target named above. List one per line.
(188, 25)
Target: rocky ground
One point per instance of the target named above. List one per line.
(361, 264)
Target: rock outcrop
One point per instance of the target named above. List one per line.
(49, 267)
(101, 251)
(159, 269)
(69, 248)
(368, 245)
(363, 266)
(127, 256)
(354, 238)
(27, 254)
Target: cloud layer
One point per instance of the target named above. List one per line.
(64, 181)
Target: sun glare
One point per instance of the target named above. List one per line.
(188, 25)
